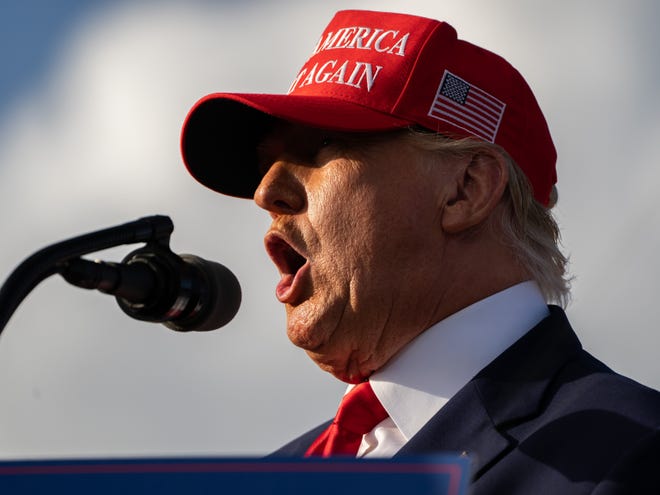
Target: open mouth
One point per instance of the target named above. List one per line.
(289, 262)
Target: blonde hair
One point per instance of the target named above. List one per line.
(526, 226)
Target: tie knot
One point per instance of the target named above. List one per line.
(360, 410)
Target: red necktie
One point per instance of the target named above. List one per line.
(358, 414)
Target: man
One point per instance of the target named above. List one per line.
(409, 176)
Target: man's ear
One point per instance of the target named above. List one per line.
(480, 183)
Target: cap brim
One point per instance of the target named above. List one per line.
(222, 131)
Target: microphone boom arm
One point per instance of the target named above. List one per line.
(155, 229)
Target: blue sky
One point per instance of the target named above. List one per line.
(31, 32)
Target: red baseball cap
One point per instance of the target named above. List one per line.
(377, 71)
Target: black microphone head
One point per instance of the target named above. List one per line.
(218, 304)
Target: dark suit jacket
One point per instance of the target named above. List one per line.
(545, 417)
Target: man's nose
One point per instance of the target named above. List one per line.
(281, 191)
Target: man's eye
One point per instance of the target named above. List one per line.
(333, 140)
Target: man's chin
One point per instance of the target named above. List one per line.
(309, 329)
(305, 341)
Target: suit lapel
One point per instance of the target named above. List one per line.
(507, 392)
(298, 446)
(463, 426)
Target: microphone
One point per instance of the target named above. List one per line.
(184, 292)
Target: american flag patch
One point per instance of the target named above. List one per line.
(467, 107)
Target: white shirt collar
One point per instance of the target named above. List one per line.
(421, 379)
